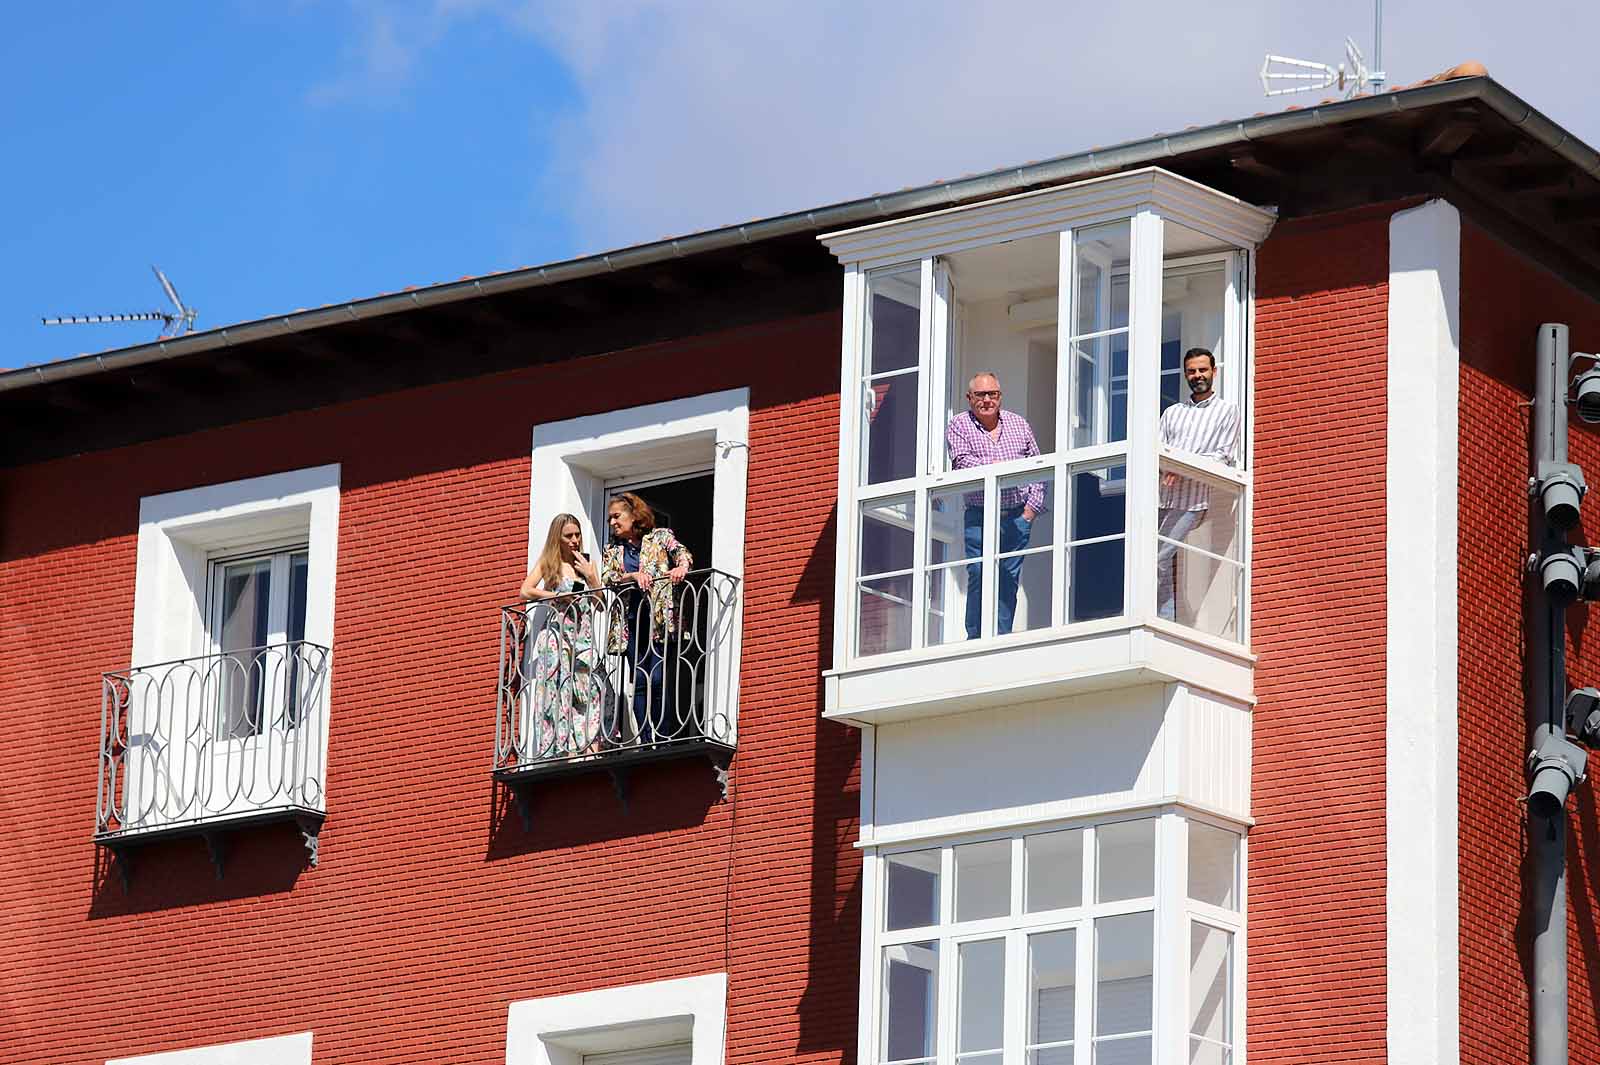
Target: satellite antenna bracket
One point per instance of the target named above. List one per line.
(1281, 75)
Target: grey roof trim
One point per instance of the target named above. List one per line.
(839, 216)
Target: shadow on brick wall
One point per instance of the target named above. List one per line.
(572, 811)
(180, 873)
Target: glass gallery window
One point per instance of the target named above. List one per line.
(1043, 947)
(1012, 462)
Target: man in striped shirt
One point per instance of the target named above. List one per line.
(978, 436)
(1207, 426)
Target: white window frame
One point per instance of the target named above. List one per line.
(181, 532)
(274, 1050)
(575, 460)
(1173, 913)
(561, 1029)
(1149, 198)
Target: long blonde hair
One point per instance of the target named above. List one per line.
(549, 565)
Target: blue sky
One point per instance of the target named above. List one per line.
(277, 154)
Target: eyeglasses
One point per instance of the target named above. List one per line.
(985, 394)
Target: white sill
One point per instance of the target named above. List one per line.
(1027, 667)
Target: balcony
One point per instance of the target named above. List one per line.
(594, 682)
(1039, 495)
(211, 745)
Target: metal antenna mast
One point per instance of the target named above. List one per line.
(178, 320)
(1281, 75)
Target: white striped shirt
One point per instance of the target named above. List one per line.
(1209, 429)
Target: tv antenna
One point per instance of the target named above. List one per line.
(1350, 77)
(178, 320)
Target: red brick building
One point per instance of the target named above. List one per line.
(910, 776)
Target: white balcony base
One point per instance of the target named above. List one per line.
(1028, 667)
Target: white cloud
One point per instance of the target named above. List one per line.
(701, 115)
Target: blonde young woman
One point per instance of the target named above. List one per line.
(568, 683)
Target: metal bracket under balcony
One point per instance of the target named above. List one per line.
(607, 680)
(207, 747)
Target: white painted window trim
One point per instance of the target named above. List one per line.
(179, 530)
(1149, 197)
(1422, 904)
(274, 1050)
(1172, 909)
(560, 1030)
(573, 460)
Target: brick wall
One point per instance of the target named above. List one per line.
(433, 908)
(1316, 890)
(1504, 298)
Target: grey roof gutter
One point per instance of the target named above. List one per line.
(840, 216)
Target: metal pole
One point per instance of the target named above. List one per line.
(1378, 75)
(1547, 675)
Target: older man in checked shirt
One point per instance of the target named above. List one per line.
(980, 435)
(1208, 426)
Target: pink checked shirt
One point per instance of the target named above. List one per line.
(970, 445)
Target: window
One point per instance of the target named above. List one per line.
(1043, 945)
(1014, 363)
(222, 711)
(275, 1050)
(668, 1022)
(258, 605)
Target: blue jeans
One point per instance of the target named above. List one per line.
(1175, 525)
(652, 665)
(1014, 531)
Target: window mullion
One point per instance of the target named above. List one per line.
(945, 1012)
(1170, 1016)
(991, 546)
(1144, 385)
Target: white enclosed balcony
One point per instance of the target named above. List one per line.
(1081, 537)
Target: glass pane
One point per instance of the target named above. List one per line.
(297, 676)
(883, 615)
(894, 320)
(1100, 257)
(1123, 986)
(983, 880)
(242, 627)
(888, 536)
(955, 531)
(1052, 995)
(910, 1001)
(883, 604)
(912, 885)
(1127, 860)
(1213, 865)
(980, 997)
(889, 433)
(1210, 995)
(1006, 303)
(1124, 1050)
(1199, 576)
(1024, 568)
(1100, 389)
(298, 568)
(1191, 317)
(1096, 558)
(1055, 871)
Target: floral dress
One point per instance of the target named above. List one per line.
(568, 686)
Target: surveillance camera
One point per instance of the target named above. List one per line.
(1588, 396)
(1561, 489)
(1553, 769)
(1583, 715)
(1562, 573)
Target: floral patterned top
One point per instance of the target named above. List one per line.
(659, 551)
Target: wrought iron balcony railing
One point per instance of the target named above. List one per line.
(598, 679)
(194, 745)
